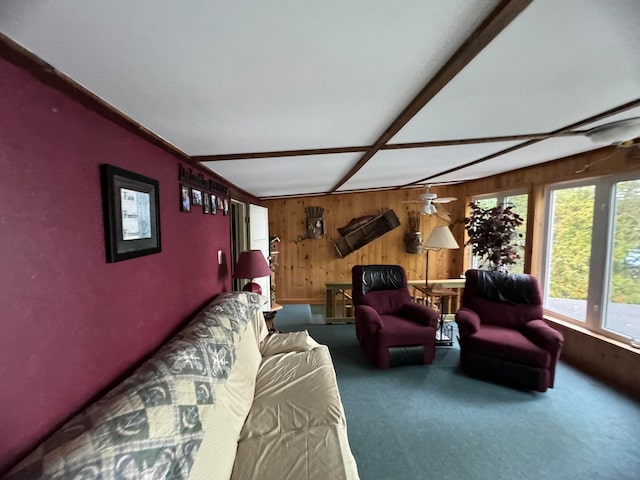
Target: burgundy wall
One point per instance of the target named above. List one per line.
(69, 322)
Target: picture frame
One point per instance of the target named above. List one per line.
(185, 199)
(196, 197)
(206, 203)
(131, 213)
(214, 204)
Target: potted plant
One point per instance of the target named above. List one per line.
(493, 234)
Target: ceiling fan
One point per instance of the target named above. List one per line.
(428, 201)
(620, 133)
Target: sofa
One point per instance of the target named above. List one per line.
(222, 399)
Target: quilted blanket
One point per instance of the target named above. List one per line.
(151, 425)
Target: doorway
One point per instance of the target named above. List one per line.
(249, 231)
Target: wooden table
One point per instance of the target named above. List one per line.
(437, 297)
(339, 307)
(270, 316)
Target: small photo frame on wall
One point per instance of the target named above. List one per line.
(214, 204)
(206, 203)
(221, 204)
(196, 197)
(131, 212)
(185, 198)
(226, 207)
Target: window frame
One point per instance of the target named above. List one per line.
(601, 250)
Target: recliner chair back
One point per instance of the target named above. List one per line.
(506, 300)
(383, 287)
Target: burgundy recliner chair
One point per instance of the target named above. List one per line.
(391, 328)
(502, 335)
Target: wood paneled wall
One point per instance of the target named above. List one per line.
(305, 265)
(606, 359)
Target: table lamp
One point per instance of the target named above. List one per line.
(441, 237)
(251, 264)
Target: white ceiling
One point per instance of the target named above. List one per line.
(272, 79)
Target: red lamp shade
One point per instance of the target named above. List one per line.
(252, 264)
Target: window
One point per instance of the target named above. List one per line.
(520, 203)
(592, 255)
(622, 309)
(570, 226)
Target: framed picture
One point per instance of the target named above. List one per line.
(214, 204)
(185, 198)
(206, 204)
(131, 211)
(196, 197)
(225, 210)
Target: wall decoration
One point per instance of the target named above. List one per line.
(413, 235)
(214, 204)
(354, 224)
(131, 211)
(185, 198)
(196, 197)
(366, 233)
(198, 181)
(202, 191)
(315, 223)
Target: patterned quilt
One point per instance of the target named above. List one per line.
(150, 426)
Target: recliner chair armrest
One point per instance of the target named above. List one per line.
(368, 318)
(419, 314)
(543, 335)
(468, 321)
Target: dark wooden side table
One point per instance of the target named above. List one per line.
(438, 296)
(270, 316)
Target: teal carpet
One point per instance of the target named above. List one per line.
(423, 422)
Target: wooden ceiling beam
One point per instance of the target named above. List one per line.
(566, 130)
(278, 153)
(471, 141)
(391, 146)
(489, 29)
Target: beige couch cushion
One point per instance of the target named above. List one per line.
(317, 453)
(296, 419)
(287, 342)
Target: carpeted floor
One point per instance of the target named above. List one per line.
(422, 422)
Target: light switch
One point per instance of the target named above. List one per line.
(219, 257)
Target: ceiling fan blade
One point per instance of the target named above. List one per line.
(444, 200)
(442, 214)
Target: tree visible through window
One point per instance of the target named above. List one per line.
(592, 259)
(571, 222)
(622, 314)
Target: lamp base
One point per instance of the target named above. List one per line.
(252, 287)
